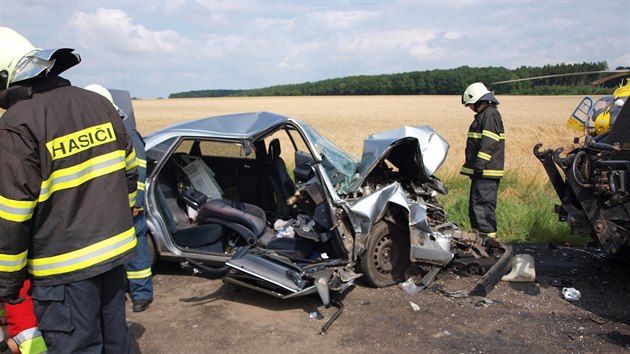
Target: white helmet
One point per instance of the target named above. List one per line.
(103, 92)
(20, 60)
(476, 92)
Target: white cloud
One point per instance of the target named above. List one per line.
(215, 46)
(453, 35)
(172, 5)
(381, 43)
(112, 31)
(300, 57)
(336, 20)
(275, 24)
(155, 48)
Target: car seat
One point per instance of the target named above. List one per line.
(281, 182)
(206, 237)
(250, 222)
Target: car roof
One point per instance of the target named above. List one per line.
(239, 126)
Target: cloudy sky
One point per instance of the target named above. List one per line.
(154, 48)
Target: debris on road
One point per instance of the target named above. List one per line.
(316, 315)
(571, 294)
(523, 269)
(485, 303)
(414, 306)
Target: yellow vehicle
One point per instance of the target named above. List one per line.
(595, 118)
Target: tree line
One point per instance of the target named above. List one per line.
(439, 82)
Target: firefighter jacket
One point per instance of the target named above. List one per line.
(138, 146)
(485, 146)
(69, 180)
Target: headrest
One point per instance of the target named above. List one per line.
(274, 149)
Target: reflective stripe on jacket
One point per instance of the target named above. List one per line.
(138, 146)
(69, 178)
(30, 341)
(22, 324)
(485, 146)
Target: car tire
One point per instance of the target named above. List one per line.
(386, 257)
(153, 254)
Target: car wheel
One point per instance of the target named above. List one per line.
(386, 257)
(153, 255)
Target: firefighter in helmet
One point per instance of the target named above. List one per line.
(68, 182)
(485, 149)
(139, 268)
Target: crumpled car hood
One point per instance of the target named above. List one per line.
(428, 151)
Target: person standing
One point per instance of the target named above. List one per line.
(139, 268)
(485, 155)
(67, 184)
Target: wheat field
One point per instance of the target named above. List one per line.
(347, 120)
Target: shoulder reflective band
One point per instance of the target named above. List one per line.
(12, 262)
(16, 210)
(139, 274)
(474, 135)
(484, 156)
(76, 175)
(131, 161)
(82, 140)
(31, 341)
(84, 257)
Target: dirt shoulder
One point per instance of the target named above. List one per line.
(192, 314)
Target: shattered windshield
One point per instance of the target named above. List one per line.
(340, 166)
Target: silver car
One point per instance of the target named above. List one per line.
(267, 203)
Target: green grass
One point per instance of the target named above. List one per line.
(525, 211)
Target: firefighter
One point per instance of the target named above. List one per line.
(485, 150)
(68, 182)
(139, 268)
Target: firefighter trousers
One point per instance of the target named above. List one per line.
(86, 316)
(482, 205)
(139, 267)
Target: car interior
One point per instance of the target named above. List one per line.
(214, 197)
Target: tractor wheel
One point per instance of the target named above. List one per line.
(386, 257)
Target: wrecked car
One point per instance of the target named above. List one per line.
(268, 203)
